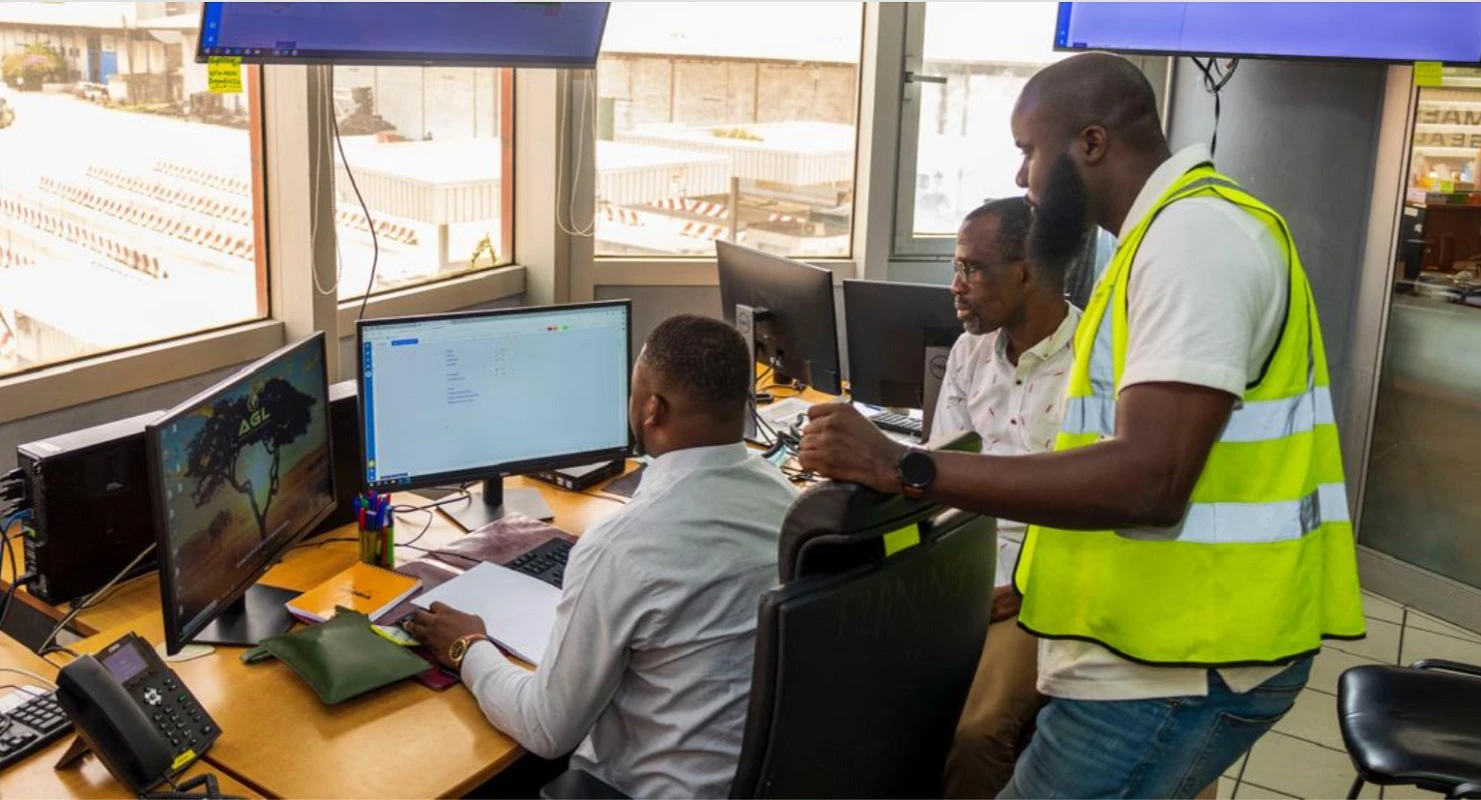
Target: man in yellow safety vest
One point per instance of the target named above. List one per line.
(1190, 546)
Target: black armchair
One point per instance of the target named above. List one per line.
(1415, 726)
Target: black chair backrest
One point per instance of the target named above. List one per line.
(865, 654)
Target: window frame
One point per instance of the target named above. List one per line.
(459, 285)
(48, 387)
(906, 244)
(286, 142)
(589, 271)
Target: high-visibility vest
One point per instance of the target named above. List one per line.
(1263, 565)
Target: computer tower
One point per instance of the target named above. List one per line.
(90, 498)
(349, 469)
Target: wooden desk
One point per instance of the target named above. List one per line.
(140, 597)
(36, 777)
(402, 741)
(277, 737)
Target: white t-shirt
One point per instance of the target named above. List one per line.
(1016, 409)
(1205, 305)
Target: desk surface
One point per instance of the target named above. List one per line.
(402, 741)
(35, 776)
(140, 597)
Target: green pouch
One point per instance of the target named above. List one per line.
(343, 658)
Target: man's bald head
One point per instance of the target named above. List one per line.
(1097, 89)
(1090, 137)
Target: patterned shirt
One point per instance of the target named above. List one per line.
(1016, 409)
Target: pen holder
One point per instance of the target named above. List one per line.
(378, 545)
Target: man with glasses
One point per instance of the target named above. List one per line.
(1006, 381)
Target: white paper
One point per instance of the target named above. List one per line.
(518, 610)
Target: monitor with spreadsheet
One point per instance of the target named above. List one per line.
(453, 398)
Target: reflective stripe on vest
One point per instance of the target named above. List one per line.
(1248, 523)
(1258, 421)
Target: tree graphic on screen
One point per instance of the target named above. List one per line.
(272, 417)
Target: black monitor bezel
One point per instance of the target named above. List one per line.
(360, 58)
(1061, 11)
(175, 635)
(491, 471)
(859, 354)
(729, 255)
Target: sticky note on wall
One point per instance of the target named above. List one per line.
(1429, 73)
(224, 74)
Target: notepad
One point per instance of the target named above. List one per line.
(518, 610)
(367, 589)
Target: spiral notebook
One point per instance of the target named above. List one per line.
(367, 589)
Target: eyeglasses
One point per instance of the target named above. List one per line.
(966, 269)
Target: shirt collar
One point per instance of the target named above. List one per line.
(1160, 180)
(1062, 337)
(670, 466)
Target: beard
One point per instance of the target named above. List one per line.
(1061, 218)
(972, 323)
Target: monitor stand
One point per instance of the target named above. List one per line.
(260, 614)
(494, 501)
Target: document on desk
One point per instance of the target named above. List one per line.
(518, 610)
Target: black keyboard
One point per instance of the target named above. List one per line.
(896, 423)
(546, 562)
(33, 725)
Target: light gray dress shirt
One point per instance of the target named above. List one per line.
(649, 664)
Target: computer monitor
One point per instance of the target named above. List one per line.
(565, 35)
(240, 473)
(784, 308)
(454, 398)
(899, 336)
(1402, 32)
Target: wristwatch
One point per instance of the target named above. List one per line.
(459, 649)
(916, 470)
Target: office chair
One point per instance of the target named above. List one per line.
(1415, 726)
(864, 653)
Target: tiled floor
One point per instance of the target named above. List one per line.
(1303, 755)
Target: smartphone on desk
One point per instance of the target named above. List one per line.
(134, 713)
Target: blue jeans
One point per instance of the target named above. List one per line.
(1169, 747)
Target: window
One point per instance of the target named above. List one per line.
(970, 60)
(127, 190)
(431, 151)
(726, 121)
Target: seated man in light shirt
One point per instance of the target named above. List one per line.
(1005, 380)
(648, 667)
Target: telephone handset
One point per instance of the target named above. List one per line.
(134, 713)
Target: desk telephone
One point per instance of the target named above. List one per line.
(134, 713)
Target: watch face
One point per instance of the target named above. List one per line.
(917, 469)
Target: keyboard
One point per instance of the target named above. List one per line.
(896, 423)
(546, 562)
(29, 727)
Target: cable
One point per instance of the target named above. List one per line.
(375, 239)
(568, 226)
(323, 102)
(19, 579)
(97, 596)
(1215, 78)
(29, 674)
